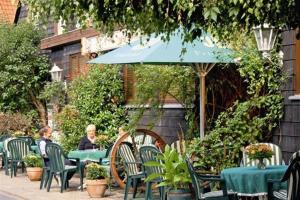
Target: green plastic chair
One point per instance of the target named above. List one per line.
(292, 177)
(131, 168)
(57, 166)
(4, 137)
(18, 149)
(213, 195)
(149, 153)
(29, 139)
(3, 152)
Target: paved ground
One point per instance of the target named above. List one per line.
(20, 188)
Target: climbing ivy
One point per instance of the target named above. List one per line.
(246, 121)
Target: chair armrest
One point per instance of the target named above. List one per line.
(206, 175)
(134, 162)
(77, 159)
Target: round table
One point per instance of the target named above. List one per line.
(251, 181)
(88, 155)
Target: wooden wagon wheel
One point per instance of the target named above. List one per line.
(114, 151)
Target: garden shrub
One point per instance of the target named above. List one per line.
(11, 122)
(96, 98)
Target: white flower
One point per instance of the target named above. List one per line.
(237, 60)
(281, 54)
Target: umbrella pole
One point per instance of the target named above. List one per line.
(202, 70)
(202, 100)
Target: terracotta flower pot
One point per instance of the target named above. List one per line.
(34, 173)
(96, 188)
(179, 194)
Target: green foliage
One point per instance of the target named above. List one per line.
(148, 16)
(54, 92)
(94, 99)
(10, 123)
(175, 173)
(103, 141)
(33, 160)
(248, 121)
(94, 171)
(23, 70)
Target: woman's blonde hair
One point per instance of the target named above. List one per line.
(90, 127)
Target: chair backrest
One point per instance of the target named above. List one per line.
(18, 149)
(29, 139)
(276, 159)
(128, 159)
(179, 146)
(149, 153)
(56, 157)
(4, 137)
(195, 181)
(292, 175)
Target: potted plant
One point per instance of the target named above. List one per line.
(175, 175)
(34, 166)
(96, 180)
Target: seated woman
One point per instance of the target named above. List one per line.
(88, 142)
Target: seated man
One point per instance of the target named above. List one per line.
(45, 135)
(88, 142)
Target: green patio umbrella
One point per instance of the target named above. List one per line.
(202, 54)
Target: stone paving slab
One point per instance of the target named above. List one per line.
(20, 188)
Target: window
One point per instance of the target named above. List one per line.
(77, 65)
(130, 90)
(297, 67)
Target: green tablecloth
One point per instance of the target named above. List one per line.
(34, 148)
(87, 155)
(251, 181)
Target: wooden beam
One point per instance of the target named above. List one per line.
(66, 38)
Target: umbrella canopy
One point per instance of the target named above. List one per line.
(202, 54)
(157, 51)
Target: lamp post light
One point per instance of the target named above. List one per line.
(56, 73)
(265, 36)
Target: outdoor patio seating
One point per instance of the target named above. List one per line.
(149, 153)
(131, 166)
(18, 149)
(197, 179)
(292, 177)
(58, 166)
(275, 160)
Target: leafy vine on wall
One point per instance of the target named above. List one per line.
(246, 121)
